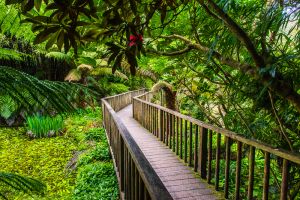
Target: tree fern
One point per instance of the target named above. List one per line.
(34, 95)
(60, 56)
(20, 183)
(8, 54)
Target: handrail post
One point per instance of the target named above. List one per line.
(203, 153)
(161, 120)
(284, 183)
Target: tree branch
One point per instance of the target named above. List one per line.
(248, 69)
(175, 53)
(237, 30)
(279, 122)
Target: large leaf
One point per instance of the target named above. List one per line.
(44, 35)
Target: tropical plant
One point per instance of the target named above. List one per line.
(20, 183)
(44, 126)
(32, 95)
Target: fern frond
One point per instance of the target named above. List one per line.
(33, 94)
(59, 56)
(8, 54)
(20, 183)
(7, 106)
(104, 71)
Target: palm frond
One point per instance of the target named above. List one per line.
(20, 183)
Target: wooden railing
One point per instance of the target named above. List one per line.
(137, 179)
(224, 158)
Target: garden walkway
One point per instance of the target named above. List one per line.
(148, 141)
(179, 179)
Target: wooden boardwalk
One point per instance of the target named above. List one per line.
(179, 179)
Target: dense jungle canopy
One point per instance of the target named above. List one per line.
(232, 63)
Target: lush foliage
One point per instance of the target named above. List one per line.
(234, 64)
(235, 58)
(9, 181)
(22, 92)
(66, 163)
(95, 181)
(43, 126)
(95, 177)
(44, 159)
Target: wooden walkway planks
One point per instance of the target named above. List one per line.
(178, 178)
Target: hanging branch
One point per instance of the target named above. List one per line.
(279, 122)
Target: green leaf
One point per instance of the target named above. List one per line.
(60, 39)
(44, 35)
(27, 6)
(37, 4)
(88, 61)
(132, 61)
(51, 41)
(117, 62)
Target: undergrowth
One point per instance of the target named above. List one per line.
(50, 160)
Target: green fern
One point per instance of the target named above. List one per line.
(33, 95)
(60, 56)
(20, 183)
(8, 54)
(7, 106)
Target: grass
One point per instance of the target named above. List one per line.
(43, 126)
(46, 159)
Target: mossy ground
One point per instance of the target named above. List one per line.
(46, 159)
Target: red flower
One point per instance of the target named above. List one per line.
(134, 39)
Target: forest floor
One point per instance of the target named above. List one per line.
(76, 165)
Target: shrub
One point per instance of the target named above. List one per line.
(96, 134)
(96, 181)
(99, 153)
(43, 126)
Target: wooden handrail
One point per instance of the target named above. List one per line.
(192, 140)
(137, 179)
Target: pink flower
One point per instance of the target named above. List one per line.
(133, 39)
